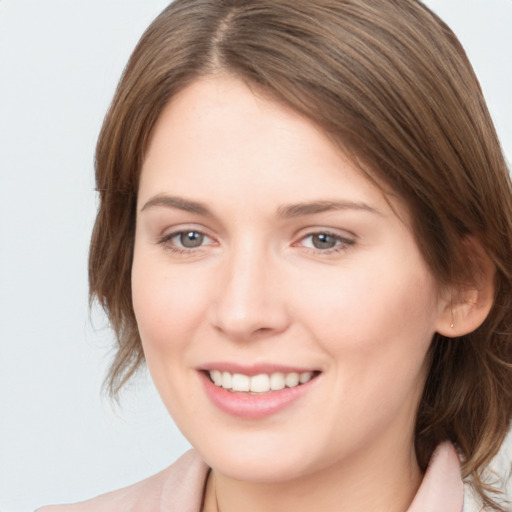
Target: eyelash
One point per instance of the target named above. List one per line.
(166, 240)
(342, 243)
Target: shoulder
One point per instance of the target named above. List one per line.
(178, 488)
(498, 475)
(472, 501)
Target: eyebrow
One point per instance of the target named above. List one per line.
(285, 211)
(313, 207)
(179, 203)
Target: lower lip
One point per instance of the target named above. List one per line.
(253, 407)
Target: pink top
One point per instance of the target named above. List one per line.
(180, 487)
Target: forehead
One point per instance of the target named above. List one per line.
(221, 111)
(219, 138)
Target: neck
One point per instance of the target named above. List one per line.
(378, 479)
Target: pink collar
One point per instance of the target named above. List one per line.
(180, 488)
(442, 488)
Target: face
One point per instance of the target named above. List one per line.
(284, 308)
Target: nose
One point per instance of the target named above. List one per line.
(250, 302)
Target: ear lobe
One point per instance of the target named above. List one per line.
(467, 305)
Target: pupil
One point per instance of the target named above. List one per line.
(324, 241)
(191, 239)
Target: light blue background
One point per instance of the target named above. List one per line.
(59, 64)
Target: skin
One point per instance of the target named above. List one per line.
(258, 290)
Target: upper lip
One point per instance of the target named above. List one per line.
(254, 369)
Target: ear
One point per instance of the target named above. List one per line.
(465, 306)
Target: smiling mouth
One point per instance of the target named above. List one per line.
(261, 383)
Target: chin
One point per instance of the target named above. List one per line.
(265, 469)
(264, 462)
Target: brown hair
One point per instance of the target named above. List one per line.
(391, 84)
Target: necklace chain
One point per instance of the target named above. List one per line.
(215, 493)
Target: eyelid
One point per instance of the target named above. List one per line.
(319, 229)
(166, 239)
(344, 241)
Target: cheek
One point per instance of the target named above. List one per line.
(375, 325)
(376, 330)
(167, 304)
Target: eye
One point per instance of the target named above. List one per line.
(189, 239)
(186, 240)
(325, 241)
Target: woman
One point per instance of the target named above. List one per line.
(304, 231)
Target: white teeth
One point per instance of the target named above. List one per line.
(227, 380)
(216, 377)
(305, 377)
(262, 383)
(240, 382)
(291, 380)
(277, 381)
